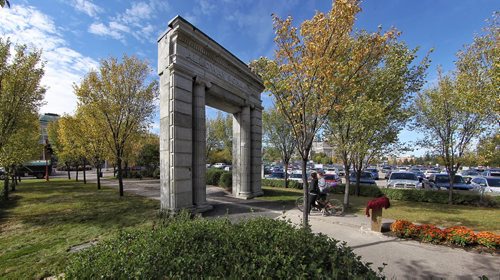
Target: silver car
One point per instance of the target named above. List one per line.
(403, 179)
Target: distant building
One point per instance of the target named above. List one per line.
(322, 147)
(45, 119)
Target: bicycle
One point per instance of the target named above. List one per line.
(331, 206)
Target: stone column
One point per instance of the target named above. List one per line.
(245, 154)
(176, 136)
(199, 146)
(256, 152)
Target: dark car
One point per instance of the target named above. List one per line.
(374, 172)
(365, 179)
(442, 181)
(420, 174)
(491, 173)
(277, 175)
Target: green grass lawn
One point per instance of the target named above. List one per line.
(42, 220)
(476, 218)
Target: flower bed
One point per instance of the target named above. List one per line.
(457, 235)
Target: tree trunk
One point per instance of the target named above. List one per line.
(120, 178)
(286, 174)
(305, 184)
(68, 167)
(13, 182)
(76, 176)
(6, 186)
(357, 189)
(84, 172)
(98, 176)
(127, 170)
(347, 185)
(450, 189)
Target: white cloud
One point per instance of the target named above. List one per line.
(64, 66)
(87, 7)
(103, 30)
(134, 21)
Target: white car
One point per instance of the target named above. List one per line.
(428, 173)
(219, 165)
(489, 184)
(404, 179)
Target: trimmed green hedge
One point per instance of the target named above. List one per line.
(280, 183)
(432, 196)
(213, 176)
(182, 248)
(226, 180)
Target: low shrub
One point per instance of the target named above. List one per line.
(460, 235)
(488, 239)
(365, 190)
(400, 227)
(457, 235)
(213, 176)
(226, 180)
(431, 234)
(201, 248)
(432, 196)
(156, 173)
(278, 183)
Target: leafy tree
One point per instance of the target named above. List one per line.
(149, 155)
(4, 2)
(22, 146)
(312, 67)
(278, 134)
(219, 137)
(368, 123)
(488, 150)
(450, 120)
(70, 140)
(119, 94)
(20, 92)
(92, 140)
(321, 158)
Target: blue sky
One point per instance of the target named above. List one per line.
(76, 34)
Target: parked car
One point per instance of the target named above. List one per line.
(332, 170)
(403, 179)
(442, 181)
(419, 173)
(491, 173)
(228, 168)
(428, 172)
(277, 175)
(332, 179)
(488, 184)
(470, 174)
(365, 179)
(374, 172)
(296, 176)
(219, 165)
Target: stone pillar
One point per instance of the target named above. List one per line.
(242, 179)
(176, 139)
(256, 152)
(199, 146)
(236, 154)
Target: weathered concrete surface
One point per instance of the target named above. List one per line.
(196, 71)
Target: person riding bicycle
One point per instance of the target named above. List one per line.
(314, 191)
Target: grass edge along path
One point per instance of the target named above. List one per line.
(43, 220)
(475, 218)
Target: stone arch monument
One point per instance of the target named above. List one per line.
(196, 71)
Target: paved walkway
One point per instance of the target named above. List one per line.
(405, 259)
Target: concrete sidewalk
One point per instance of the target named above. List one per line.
(405, 259)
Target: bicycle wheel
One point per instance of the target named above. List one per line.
(335, 206)
(300, 203)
